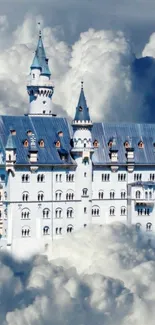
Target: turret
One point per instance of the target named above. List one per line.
(10, 151)
(82, 151)
(40, 87)
(82, 125)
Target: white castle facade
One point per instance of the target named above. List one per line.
(57, 178)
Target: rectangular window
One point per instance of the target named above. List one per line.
(58, 177)
(105, 177)
(122, 177)
(85, 210)
(137, 177)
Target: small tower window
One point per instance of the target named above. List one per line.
(141, 145)
(33, 76)
(25, 143)
(41, 143)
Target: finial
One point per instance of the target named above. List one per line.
(39, 26)
(81, 85)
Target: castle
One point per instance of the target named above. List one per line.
(57, 178)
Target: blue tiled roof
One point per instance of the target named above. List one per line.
(40, 60)
(82, 110)
(103, 132)
(47, 129)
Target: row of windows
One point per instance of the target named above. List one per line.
(96, 211)
(26, 231)
(46, 213)
(70, 177)
(143, 212)
(148, 195)
(149, 226)
(123, 177)
(58, 195)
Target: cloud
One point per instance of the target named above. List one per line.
(118, 86)
(97, 275)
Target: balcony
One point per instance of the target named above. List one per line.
(144, 202)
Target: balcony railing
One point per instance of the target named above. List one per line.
(144, 202)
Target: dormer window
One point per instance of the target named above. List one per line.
(127, 144)
(57, 144)
(141, 145)
(80, 108)
(110, 143)
(60, 134)
(41, 143)
(25, 143)
(95, 144)
(29, 132)
(13, 132)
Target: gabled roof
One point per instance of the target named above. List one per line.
(82, 110)
(40, 60)
(10, 143)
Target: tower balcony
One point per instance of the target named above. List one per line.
(144, 202)
(40, 84)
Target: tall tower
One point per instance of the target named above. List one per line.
(82, 152)
(39, 87)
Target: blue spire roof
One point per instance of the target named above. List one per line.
(10, 143)
(40, 60)
(35, 63)
(82, 110)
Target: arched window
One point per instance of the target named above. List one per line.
(100, 195)
(138, 194)
(70, 195)
(25, 196)
(26, 231)
(123, 194)
(150, 195)
(10, 158)
(46, 213)
(70, 213)
(95, 211)
(57, 144)
(58, 195)
(126, 144)
(40, 178)
(23, 178)
(138, 226)
(85, 192)
(69, 228)
(46, 230)
(112, 194)
(40, 196)
(112, 211)
(149, 226)
(123, 211)
(25, 214)
(146, 195)
(58, 213)
(58, 231)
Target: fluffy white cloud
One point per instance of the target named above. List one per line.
(100, 275)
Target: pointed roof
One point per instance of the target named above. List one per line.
(40, 60)
(10, 143)
(35, 63)
(82, 110)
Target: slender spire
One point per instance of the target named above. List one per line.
(40, 60)
(82, 110)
